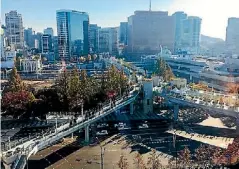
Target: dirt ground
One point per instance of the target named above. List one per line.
(35, 84)
(88, 157)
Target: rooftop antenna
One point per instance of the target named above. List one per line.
(149, 5)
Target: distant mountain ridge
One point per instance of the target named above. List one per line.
(209, 39)
(211, 45)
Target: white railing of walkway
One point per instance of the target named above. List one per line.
(36, 143)
(107, 110)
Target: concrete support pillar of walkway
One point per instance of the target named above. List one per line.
(87, 138)
(175, 111)
(7, 166)
(72, 135)
(131, 108)
(8, 161)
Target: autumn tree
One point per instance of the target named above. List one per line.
(47, 100)
(123, 162)
(139, 162)
(62, 86)
(17, 103)
(163, 69)
(15, 83)
(116, 80)
(153, 160)
(16, 99)
(74, 85)
(203, 155)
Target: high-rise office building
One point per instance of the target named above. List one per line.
(29, 38)
(232, 36)
(38, 41)
(73, 33)
(190, 39)
(123, 32)
(108, 40)
(148, 30)
(46, 43)
(14, 29)
(36, 44)
(179, 17)
(2, 43)
(94, 38)
(48, 31)
(55, 47)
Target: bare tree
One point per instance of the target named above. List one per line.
(202, 155)
(184, 158)
(139, 162)
(123, 164)
(172, 163)
(153, 160)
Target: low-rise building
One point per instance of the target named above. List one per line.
(8, 59)
(179, 83)
(31, 64)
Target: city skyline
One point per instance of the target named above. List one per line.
(120, 10)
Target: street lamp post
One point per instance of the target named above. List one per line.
(175, 147)
(102, 150)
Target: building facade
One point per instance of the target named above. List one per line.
(190, 39)
(232, 36)
(46, 43)
(123, 33)
(31, 64)
(38, 41)
(7, 60)
(14, 29)
(49, 31)
(108, 41)
(55, 47)
(148, 30)
(94, 38)
(2, 52)
(28, 38)
(73, 33)
(179, 17)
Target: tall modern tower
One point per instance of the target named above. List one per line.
(148, 30)
(123, 32)
(73, 33)
(178, 19)
(14, 29)
(190, 39)
(48, 31)
(232, 36)
(28, 37)
(46, 43)
(108, 40)
(94, 38)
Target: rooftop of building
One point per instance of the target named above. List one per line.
(73, 11)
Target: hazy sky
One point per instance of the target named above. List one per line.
(40, 14)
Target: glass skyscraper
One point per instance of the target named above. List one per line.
(73, 33)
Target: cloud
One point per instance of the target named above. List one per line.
(214, 13)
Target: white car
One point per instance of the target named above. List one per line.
(102, 125)
(102, 133)
(123, 127)
(143, 126)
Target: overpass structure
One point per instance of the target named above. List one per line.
(126, 66)
(178, 101)
(211, 109)
(16, 157)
